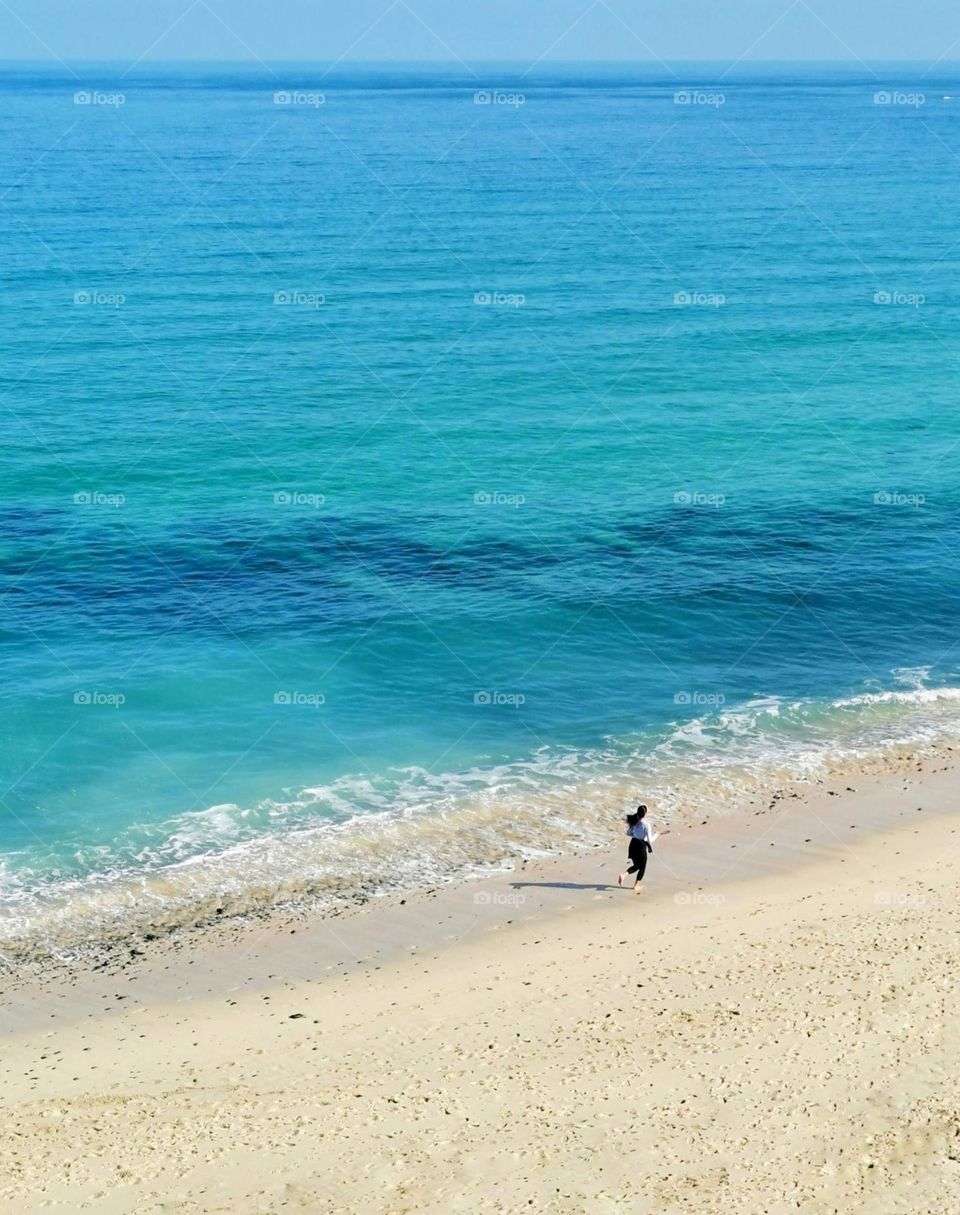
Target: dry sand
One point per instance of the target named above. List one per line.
(770, 1027)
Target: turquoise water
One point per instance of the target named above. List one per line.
(386, 472)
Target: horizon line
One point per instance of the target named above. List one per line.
(459, 62)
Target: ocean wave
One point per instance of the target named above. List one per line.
(361, 837)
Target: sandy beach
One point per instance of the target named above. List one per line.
(769, 1027)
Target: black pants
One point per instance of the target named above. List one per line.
(637, 853)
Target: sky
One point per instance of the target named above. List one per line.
(478, 30)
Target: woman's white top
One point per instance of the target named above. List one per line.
(641, 832)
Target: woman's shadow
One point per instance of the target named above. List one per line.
(565, 885)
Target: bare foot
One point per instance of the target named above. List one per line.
(619, 879)
(637, 888)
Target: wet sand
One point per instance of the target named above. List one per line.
(770, 1026)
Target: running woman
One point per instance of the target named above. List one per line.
(640, 845)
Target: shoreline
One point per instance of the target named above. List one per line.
(510, 1067)
(691, 860)
(737, 763)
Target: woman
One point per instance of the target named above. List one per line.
(640, 845)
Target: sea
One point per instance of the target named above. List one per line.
(406, 468)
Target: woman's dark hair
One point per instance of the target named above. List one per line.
(632, 820)
(641, 811)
